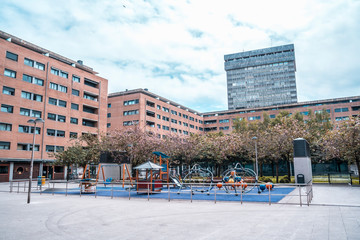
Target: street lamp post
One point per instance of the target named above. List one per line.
(256, 159)
(32, 121)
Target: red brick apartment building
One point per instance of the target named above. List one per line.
(151, 113)
(66, 94)
(162, 116)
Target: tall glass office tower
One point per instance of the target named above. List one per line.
(260, 78)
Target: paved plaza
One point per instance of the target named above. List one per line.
(333, 214)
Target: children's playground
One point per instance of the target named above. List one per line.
(156, 180)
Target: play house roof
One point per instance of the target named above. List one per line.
(163, 155)
(148, 166)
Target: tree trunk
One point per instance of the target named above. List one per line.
(272, 168)
(261, 169)
(68, 171)
(277, 172)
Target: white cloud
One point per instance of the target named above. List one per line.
(175, 48)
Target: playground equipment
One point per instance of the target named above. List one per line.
(200, 175)
(93, 173)
(238, 177)
(151, 180)
(162, 160)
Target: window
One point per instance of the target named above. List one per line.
(75, 92)
(50, 132)
(150, 113)
(191, 118)
(132, 112)
(304, 113)
(108, 125)
(131, 102)
(150, 104)
(109, 115)
(210, 122)
(191, 126)
(165, 128)
(109, 105)
(55, 117)
(61, 118)
(5, 127)
(4, 145)
(54, 86)
(29, 62)
(62, 103)
(9, 73)
(8, 91)
(64, 74)
(173, 121)
(254, 118)
(73, 120)
(58, 87)
(342, 118)
(52, 148)
(27, 147)
(73, 135)
(90, 96)
(129, 123)
(4, 169)
(39, 66)
(7, 108)
(62, 89)
(88, 123)
(165, 109)
(12, 56)
(341, 109)
(57, 102)
(224, 120)
(74, 106)
(26, 95)
(165, 118)
(27, 129)
(158, 107)
(90, 83)
(224, 128)
(34, 64)
(33, 80)
(158, 116)
(272, 116)
(89, 109)
(60, 133)
(75, 78)
(31, 96)
(55, 71)
(173, 112)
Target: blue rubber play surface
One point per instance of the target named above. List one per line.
(276, 194)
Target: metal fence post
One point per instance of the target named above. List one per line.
(66, 188)
(129, 191)
(168, 191)
(270, 194)
(191, 192)
(18, 187)
(112, 190)
(300, 195)
(215, 195)
(148, 192)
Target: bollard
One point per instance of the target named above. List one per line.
(148, 192)
(191, 192)
(168, 192)
(112, 191)
(129, 192)
(269, 195)
(215, 195)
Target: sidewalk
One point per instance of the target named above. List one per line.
(73, 217)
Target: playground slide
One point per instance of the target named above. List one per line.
(175, 180)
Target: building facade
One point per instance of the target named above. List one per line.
(151, 112)
(37, 83)
(339, 109)
(154, 113)
(260, 78)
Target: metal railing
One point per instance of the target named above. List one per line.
(301, 194)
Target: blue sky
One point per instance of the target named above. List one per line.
(175, 48)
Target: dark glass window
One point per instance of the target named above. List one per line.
(12, 56)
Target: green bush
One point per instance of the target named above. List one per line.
(265, 179)
(285, 179)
